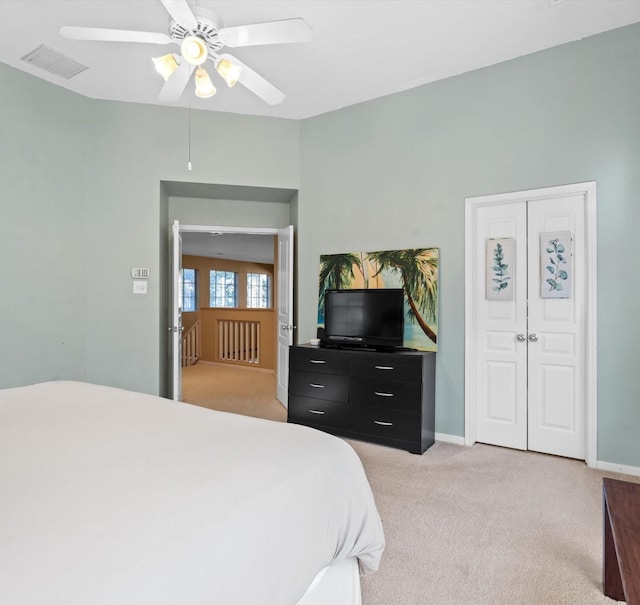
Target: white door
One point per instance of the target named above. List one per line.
(500, 359)
(528, 355)
(176, 312)
(556, 331)
(285, 310)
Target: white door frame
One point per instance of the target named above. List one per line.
(237, 230)
(588, 190)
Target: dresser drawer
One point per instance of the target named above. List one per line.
(389, 394)
(389, 424)
(326, 361)
(329, 414)
(319, 386)
(392, 366)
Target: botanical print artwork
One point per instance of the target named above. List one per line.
(556, 264)
(414, 270)
(500, 264)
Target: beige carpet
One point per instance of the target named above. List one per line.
(485, 525)
(477, 525)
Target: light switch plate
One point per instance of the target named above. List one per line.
(139, 287)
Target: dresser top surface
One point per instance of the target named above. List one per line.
(364, 351)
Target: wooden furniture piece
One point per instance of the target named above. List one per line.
(383, 397)
(621, 557)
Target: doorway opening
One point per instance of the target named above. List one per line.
(530, 356)
(203, 205)
(243, 314)
(228, 352)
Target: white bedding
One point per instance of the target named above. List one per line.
(113, 497)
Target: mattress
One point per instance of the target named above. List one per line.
(110, 496)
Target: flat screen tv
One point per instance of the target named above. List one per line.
(364, 317)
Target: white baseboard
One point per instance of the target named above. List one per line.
(618, 468)
(449, 438)
(611, 467)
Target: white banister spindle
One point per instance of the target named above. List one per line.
(239, 341)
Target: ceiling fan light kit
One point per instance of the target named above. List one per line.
(194, 50)
(200, 34)
(229, 71)
(204, 85)
(165, 65)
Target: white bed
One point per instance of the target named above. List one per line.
(113, 497)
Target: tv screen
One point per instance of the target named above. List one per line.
(366, 317)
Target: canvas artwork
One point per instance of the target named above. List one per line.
(556, 264)
(413, 270)
(500, 267)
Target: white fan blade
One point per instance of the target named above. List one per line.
(274, 32)
(256, 83)
(98, 34)
(181, 12)
(175, 85)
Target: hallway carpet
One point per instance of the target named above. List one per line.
(227, 388)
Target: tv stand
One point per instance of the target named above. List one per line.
(385, 397)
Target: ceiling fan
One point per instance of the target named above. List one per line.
(201, 36)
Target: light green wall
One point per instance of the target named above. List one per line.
(394, 173)
(228, 213)
(43, 240)
(140, 146)
(83, 203)
(82, 194)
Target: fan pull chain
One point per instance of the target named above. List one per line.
(189, 160)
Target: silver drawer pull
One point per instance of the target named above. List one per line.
(317, 412)
(316, 386)
(317, 361)
(381, 423)
(381, 394)
(384, 367)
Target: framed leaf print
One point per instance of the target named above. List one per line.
(556, 264)
(500, 264)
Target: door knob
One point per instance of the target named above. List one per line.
(521, 337)
(533, 338)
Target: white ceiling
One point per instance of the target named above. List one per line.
(361, 49)
(230, 246)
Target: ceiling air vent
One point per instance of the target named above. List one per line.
(54, 62)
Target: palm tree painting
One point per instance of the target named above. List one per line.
(337, 272)
(414, 270)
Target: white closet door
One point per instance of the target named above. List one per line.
(556, 329)
(500, 359)
(529, 358)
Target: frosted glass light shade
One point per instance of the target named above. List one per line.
(165, 65)
(194, 50)
(204, 85)
(229, 71)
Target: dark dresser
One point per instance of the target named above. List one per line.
(382, 397)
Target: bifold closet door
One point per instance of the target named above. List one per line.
(500, 358)
(529, 355)
(556, 327)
